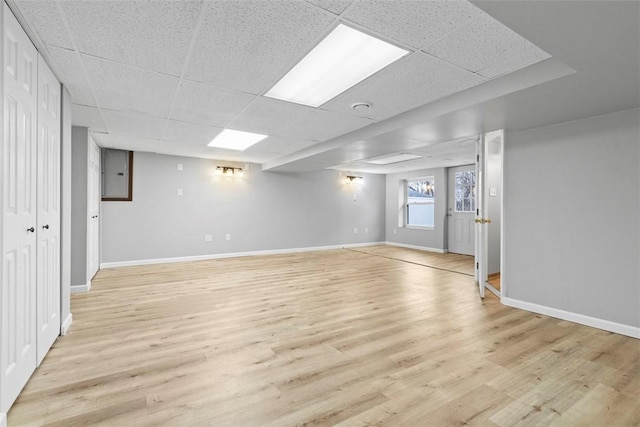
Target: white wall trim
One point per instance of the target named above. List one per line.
(618, 328)
(491, 289)
(420, 248)
(230, 255)
(66, 324)
(3, 419)
(78, 289)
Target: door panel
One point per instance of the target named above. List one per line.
(19, 227)
(48, 273)
(461, 234)
(481, 222)
(93, 197)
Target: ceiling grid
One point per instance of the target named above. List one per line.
(168, 76)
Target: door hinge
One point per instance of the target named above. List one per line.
(477, 265)
(478, 211)
(477, 157)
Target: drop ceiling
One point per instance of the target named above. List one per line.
(168, 76)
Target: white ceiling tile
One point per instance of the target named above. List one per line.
(529, 56)
(190, 133)
(206, 104)
(133, 124)
(322, 125)
(45, 19)
(68, 68)
(121, 87)
(415, 23)
(269, 116)
(333, 6)
(249, 45)
(154, 35)
(280, 146)
(424, 80)
(480, 44)
(83, 115)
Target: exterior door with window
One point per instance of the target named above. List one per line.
(461, 210)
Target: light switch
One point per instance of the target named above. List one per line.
(493, 191)
(179, 191)
(179, 166)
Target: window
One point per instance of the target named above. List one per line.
(420, 202)
(117, 175)
(466, 191)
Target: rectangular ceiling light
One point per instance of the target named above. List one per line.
(341, 60)
(394, 158)
(236, 139)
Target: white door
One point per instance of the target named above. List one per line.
(93, 197)
(461, 210)
(19, 214)
(481, 220)
(48, 274)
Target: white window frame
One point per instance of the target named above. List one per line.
(407, 203)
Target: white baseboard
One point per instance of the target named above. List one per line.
(66, 324)
(618, 328)
(230, 255)
(420, 248)
(3, 419)
(78, 289)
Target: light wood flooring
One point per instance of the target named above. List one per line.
(494, 280)
(349, 337)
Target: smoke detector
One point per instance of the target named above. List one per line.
(360, 106)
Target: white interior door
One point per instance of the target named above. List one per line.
(481, 221)
(93, 197)
(48, 273)
(19, 213)
(461, 210)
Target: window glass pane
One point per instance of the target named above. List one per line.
(420, 215)
(420, 196)
(465, 191)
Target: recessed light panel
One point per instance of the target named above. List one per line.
(236, 139)
(394, 158)
(341, 60)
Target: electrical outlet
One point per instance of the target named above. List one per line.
(366, 230)
(227, 237)
(355, 230)
(208, 237)
(394, 231)
(179, 166)
(179, 191)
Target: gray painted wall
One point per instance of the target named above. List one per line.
(571, 194)
(494, 181)
(79, 164)
(395, 233)
(261, 211)
(65, 212)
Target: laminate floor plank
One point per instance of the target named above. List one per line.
(355, 337)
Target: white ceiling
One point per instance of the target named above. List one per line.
(167, 76)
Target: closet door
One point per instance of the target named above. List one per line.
(93, 202)
(19, 215)
(48, 273)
